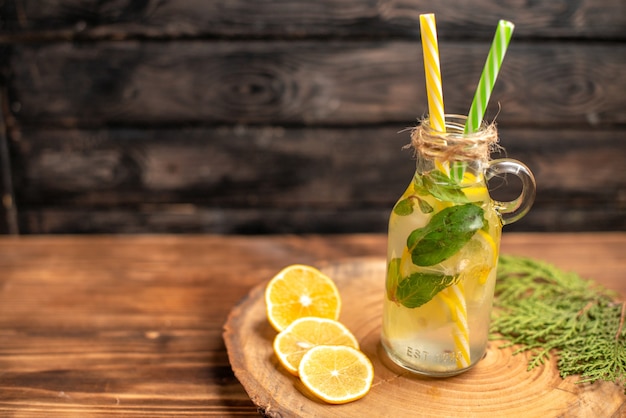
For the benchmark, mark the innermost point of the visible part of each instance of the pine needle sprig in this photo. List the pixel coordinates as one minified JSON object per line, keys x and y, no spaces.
{"x":545,"y":311}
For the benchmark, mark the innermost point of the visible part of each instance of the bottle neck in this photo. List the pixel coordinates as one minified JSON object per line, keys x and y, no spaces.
{"x":454,"y":145}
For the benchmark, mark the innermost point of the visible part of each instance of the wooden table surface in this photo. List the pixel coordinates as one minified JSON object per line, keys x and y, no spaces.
{"x":132,"y":325}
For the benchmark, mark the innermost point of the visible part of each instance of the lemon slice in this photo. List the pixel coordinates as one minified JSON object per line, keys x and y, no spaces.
{"x":305,"y":333}
{"x":336,"y":374}
{"x":475,"y":188}
{"x":298,"y":291}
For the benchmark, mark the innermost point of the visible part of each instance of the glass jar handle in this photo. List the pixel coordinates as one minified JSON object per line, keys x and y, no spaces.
{"x":513,"y":210}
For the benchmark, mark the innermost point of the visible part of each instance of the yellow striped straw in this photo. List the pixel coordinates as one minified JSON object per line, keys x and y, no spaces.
{"x":454,"y":295}
{"x":432,"y":72}
{"x":454,"y":298}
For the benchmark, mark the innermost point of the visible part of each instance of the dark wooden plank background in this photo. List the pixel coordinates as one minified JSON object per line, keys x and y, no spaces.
{"x":249,"y":117}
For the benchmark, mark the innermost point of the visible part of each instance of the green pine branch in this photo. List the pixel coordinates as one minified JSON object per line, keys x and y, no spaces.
{"x":545,"y":311}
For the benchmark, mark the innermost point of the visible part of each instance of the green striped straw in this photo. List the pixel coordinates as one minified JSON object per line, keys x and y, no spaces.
{"x":489,"y":75}
{"x":485,"y":86}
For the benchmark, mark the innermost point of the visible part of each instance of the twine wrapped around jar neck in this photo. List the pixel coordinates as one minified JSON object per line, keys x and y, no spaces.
{"x":454,"y":145}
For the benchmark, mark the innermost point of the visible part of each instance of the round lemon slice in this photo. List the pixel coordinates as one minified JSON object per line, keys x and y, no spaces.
{"x":298,"y":291}
{"x":301,"y":335}
{"x":336,"y":374}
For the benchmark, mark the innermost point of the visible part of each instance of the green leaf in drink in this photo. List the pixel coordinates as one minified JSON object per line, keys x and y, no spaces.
{"x":446,"y":233}
{"x":420,"y":288}
{"x":442,"y":187}
{"x":418,"y":185}
{"x":393,"y":278}
{"x":405,"y":206}
{"x":424,"y":206}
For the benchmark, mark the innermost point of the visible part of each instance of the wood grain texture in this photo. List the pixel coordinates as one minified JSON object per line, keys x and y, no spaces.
{"x":65,"y":19}
{"x":91,"y":327}
{"x":247,"y":116}
{"x":306,"y":82}
{"x":293,"y":179}
{"x":498,"y":384}
{"x":132,"y":325}
{"x":8,"y":211}
{"x":190,"y":219}
{"x":286,"y":167}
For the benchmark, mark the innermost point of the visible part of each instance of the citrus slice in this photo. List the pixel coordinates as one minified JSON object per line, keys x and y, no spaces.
{"x":336,"y":374}
{"x":298,"y":291}
{"x":475,"y":188}
{"x":490,"y":246}
{"x":308,"y":332}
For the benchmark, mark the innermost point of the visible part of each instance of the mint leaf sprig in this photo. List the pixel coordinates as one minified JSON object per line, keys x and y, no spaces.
{"x":445,"y":234}
{"x":546,"y":311}
{"x":434,"y":183}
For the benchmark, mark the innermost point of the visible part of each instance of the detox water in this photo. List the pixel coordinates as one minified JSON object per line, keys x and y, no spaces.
{"x":443,"y":245}
{"x":441,"y":333}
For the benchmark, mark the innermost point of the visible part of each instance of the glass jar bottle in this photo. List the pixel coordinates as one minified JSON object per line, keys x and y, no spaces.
{"x":443,"y":245}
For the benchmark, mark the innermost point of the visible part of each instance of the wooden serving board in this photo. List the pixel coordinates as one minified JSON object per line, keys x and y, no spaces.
{"x":499,"y":385}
